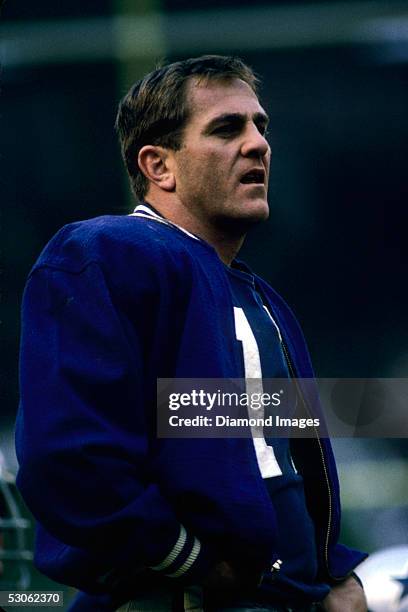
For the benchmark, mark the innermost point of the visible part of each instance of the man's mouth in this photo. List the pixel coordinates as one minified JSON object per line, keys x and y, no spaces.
{"x":255,"y":177}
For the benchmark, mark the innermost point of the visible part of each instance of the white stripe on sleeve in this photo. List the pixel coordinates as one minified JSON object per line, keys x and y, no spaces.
{"x":189,"y":561}
{"x":175,"y":551}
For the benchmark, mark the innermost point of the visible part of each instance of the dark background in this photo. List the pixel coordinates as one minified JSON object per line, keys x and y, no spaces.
{"x":336,"y":88}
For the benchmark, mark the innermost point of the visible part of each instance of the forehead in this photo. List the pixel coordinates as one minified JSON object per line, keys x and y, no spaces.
{"x":213,"y":97}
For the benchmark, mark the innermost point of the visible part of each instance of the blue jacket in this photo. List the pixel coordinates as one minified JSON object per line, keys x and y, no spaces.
{"x":111,"y":305}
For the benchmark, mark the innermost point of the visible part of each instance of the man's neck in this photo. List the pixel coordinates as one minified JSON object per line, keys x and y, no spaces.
{"x":226,"y":243}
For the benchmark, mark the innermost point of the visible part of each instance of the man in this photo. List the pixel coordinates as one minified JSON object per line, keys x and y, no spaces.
{"x":115,"y":303}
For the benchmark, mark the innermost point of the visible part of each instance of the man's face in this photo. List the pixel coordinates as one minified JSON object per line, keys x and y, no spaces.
{"x":222,"y":167}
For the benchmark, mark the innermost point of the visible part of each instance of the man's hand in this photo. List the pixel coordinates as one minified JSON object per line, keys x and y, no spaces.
{"x":346,"y":597}
{"x":224,"y":578}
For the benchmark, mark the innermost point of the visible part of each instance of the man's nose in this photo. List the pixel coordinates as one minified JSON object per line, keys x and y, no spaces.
{"x":254,"y":143}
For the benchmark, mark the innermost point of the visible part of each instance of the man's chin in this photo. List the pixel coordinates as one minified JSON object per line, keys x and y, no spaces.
{"x":254,"y":211}
{"x":242,"y":221}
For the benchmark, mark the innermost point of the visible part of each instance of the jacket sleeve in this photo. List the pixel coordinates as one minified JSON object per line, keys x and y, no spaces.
{"x":83,"y":432}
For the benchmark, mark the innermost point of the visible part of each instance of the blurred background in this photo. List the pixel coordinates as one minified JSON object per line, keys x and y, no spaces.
{"x":335,"y":84}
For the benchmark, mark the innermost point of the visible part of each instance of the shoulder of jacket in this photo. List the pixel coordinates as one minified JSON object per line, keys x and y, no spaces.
{"x":116,"y":241}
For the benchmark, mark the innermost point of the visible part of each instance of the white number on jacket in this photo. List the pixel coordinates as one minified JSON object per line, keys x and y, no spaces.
{"x":265,"y":455}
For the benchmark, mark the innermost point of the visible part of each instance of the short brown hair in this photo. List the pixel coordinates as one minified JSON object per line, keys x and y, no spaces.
{"x":155,"y":110}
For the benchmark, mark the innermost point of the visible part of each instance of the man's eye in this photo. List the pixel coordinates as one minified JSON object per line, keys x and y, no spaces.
{"x":225,"y":130}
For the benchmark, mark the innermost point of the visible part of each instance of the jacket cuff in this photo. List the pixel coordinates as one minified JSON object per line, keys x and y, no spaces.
{"x":188,"y":559}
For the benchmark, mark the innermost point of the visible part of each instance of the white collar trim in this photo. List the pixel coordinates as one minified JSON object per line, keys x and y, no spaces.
{"x":147,"y":213}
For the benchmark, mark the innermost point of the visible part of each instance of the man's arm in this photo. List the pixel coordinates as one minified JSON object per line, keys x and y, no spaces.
{"x":82,"y":436}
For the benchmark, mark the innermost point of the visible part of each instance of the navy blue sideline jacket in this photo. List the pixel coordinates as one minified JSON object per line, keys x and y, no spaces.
{"x":112,"y":304}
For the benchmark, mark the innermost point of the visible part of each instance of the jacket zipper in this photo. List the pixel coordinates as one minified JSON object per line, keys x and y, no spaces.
{"x":326,"y":476}
{"x":329,"y":522}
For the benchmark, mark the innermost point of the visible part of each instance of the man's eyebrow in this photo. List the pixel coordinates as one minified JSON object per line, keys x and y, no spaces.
{"x":258,"y":117}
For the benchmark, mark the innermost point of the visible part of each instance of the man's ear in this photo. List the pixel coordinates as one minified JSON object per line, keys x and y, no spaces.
{"x":154,"y":163}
